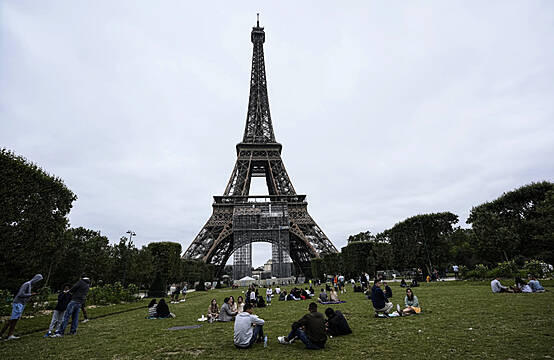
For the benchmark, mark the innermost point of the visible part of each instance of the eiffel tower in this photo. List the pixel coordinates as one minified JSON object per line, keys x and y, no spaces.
{"x":238,"y":218}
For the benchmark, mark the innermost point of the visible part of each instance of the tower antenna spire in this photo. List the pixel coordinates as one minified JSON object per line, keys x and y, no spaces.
{"x":258,"y":19}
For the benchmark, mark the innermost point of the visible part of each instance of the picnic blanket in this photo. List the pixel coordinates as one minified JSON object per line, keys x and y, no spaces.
{"x":186,"y":327}
{"x":331,"y":302}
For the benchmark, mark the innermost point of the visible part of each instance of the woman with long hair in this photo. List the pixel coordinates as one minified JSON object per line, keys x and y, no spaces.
{"x":213,"y":311}
{"x":240,"y":304}
{"x":411,"y":303}
{"x":152,"y":308}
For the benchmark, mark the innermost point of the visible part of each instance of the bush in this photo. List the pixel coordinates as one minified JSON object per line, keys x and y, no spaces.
{"x":157,"y":289}
{"x":537,"y":268}
{"x":112,"y":294}
{"x":480,"y":272}
{"x":6,"y":298}
{"x":505,"y":269}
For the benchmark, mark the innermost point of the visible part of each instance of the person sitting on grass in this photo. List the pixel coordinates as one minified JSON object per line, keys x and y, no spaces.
{"x":213,"y":311}
{"x":18,"y":305}
{"x":334,"y":296}
{"x":225,"y":313}
{"x":379,"y":300}
{"x":253,"y":297}
{"x":232,"y":304}
{"x":57,"y":315}
{"x":152,"y":308}
{"x":535,"y":284}
{"x":411,"y":304}
{"x":414,"y":283}
{"x":336,"y":323}
{"x":240,"y":304}
{"x":162,"y":310}
{"x":403,"y":283}
{"x":521,"y":286}
{"x":283,"y":295}
{"x":310,"y":329}
{"x":248,"y":328}
{"x":322,"y":296}
{"x":497,"y":287}
{"x":291,"y":296}
{"x":388,"y":290}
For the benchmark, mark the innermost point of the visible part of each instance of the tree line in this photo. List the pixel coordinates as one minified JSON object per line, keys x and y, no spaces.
{"x":516,"y":227}
{"x":35,"y":237}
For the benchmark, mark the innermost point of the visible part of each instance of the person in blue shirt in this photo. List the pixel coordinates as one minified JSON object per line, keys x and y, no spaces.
{"x":535,"y":285}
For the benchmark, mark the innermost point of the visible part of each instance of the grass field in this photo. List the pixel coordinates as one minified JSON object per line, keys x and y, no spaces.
{"x":460,"y":320}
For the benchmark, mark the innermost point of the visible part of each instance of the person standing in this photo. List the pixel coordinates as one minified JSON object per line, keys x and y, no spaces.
{"x":18,"y":305}
{"x":63,"y":300}
{"x":310,"y":329}
{"x":268,"y":295}
{"x":248,"y":328}
{"x":79,"y":293}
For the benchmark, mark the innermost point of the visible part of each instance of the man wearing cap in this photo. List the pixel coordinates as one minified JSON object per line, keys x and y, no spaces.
{"x":79,"y":293}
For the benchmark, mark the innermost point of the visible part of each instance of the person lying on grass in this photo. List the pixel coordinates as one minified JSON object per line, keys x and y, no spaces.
{"x":248,"y":328}
{"x":336,"y":323}
{"x":310,"y":330}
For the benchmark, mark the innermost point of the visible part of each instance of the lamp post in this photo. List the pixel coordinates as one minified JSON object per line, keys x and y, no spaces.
{"x":131,"y":234}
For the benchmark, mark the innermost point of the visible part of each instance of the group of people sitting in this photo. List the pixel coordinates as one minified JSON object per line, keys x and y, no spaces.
{"x":520,"y":286}
{"x":382,"y":305}
{"x":159,"y":310}
{"x":325,"y":298}
{"x":312,"y":329}
{"x":297,"y":294}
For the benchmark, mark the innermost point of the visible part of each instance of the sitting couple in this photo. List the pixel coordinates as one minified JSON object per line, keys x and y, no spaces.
{"x":382,"y":305}
{"x":159,"y":310}
{"x":312,"y":328}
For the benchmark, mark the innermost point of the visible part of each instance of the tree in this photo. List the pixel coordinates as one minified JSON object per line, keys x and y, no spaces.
{"x":167,"y":260}
{"x":517,"y":223}
{"x":332,"y":263}
{"x":421,"y":240}
{"x":317,"y":269}
{"x":356,"y":257}
{"x":362,"y":236}
{"x":34,"y":207}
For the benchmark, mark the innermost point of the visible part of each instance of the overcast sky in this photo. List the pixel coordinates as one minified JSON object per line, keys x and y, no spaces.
{"x":384,"y":110}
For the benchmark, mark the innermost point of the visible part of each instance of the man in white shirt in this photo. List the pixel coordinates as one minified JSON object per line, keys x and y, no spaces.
{"x":277,"y":290}
{"x":248,"y":328}
{"x":497,"y":287}
{"x":268,"y":295}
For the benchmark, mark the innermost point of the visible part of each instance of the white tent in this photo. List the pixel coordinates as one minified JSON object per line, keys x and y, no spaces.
{"x":247,"y":278}
{"x":245,"y":281}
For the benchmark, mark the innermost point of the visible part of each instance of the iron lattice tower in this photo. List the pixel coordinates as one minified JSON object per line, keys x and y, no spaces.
{"x":239,"y":219}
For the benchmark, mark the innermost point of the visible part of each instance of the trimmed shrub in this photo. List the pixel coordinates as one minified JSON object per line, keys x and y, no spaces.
{"x":157,"y":289}
{"x":537,"y":268}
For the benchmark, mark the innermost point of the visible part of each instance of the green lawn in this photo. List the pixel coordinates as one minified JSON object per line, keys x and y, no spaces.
{"x":461,"y":320}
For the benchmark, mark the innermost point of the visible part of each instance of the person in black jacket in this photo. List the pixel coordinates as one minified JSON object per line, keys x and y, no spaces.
{"x":310,"y":330}
{"x":57,"y":315}
{"x":162,"y":310}
{"x":336,"y":323}
{"x":388,"y":290}
{"x":79,"y":293}
{"x":379,"y":300}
